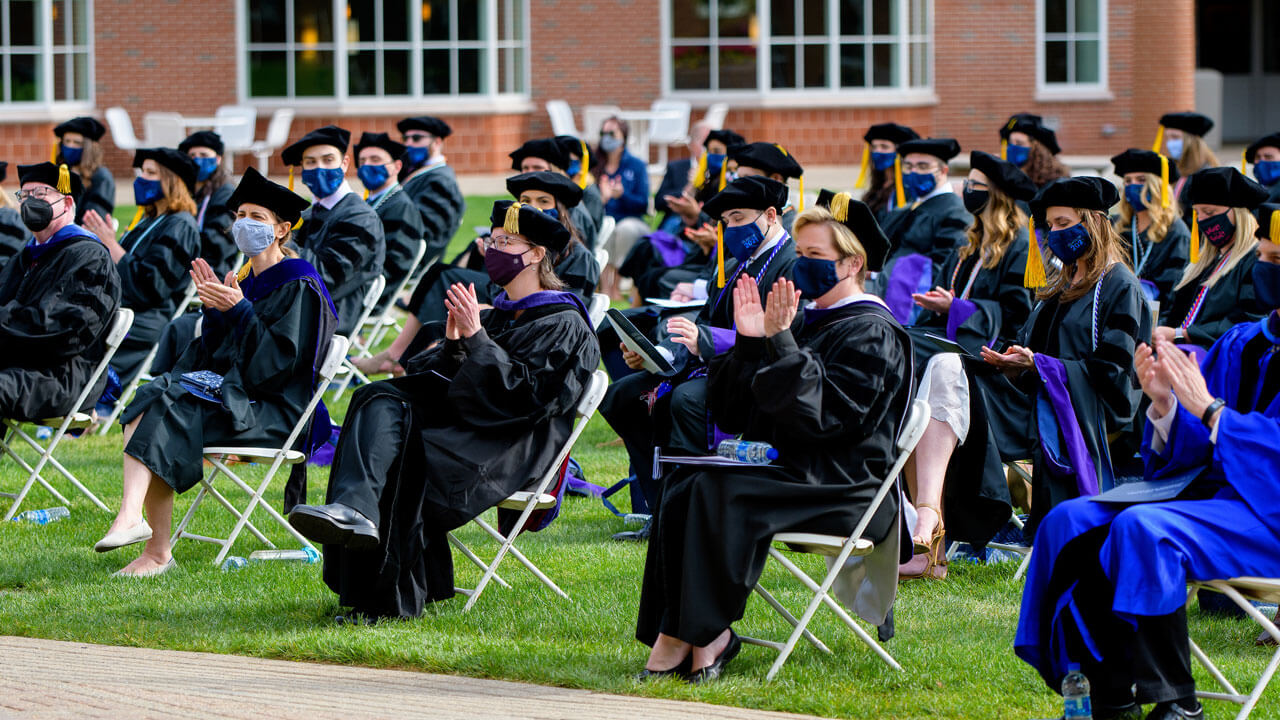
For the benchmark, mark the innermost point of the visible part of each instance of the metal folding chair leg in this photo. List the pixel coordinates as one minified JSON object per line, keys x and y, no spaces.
{"x":507,"y":544}
{"x":46,"y":459}
{"x":475,"y":560}
{"x":786,"y":615}
{"x":1250,"y":701}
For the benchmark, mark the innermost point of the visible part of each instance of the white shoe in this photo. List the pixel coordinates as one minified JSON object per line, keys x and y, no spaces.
{"x":128,"y":536}
{"x":147,"y":573}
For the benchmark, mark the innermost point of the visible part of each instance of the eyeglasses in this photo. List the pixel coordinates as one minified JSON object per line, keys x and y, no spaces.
{"x":38,"y":193}
{"x":972,"y":185}
{"x":503,"y":242}
{"x":924,"y":167}
{"x":417,"y":137}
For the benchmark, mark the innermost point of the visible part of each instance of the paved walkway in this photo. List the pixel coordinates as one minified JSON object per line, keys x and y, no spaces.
{"x":52,"y":679}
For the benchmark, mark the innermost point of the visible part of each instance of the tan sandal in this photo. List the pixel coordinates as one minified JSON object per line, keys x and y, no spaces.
{"x":936,"y":566}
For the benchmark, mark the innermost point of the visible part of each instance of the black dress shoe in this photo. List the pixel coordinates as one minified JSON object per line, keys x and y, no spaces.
{"x":1175,"y":711}
{"x":680,"y":671}
{"x":335,"y":524}
{"x":715,"y":669}
{"x":640,"y":535}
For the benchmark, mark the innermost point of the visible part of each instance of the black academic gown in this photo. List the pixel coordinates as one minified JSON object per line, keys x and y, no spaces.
{"x":217,"y":246}
{"x":13,"y":234}
{"x":402,"y":230}
{"x":1162,"y":262}
{"x":55,"y":313}
{"x":439,"y":200}
{"x":593,"y":203}
{"x":472,"y":422}
{"x":831,"y":400}
{"x":1228,"y":303}
{"x":154,"y":275}
{"x":1103,"y":386}
{"x":587,"y":227}
{"x":267,"y":352}
{"x":99,"y":194}
{"x":935,"y":228}
{"x":346,"y":246}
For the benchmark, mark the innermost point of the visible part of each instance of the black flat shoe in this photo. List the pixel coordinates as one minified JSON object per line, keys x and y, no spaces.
{"x":640,"y":535}
{"x":1174,"y":711}
{"x":334,"y":524}
{"x":715,"y":669}
{"x":680,"y":671}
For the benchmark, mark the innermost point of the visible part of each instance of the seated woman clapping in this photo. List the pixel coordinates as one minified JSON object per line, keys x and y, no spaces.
{"x":264,"y":332}
{"x":830,"y":398}
{"x":476,"y":418}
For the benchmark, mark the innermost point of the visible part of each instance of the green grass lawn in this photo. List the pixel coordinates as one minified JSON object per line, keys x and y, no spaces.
{"x":954,"y":637}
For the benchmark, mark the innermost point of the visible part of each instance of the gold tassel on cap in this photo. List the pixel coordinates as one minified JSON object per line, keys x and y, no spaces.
{"x":724,"y":169}
{"x":586,"y":163}
{"x":1034,"y":275}
{"x":1164,"y":181}
{"x":291,"y":178}
{"x":900,"y":194}
{"x":53,"y":154}
{"x":1275,"y":228}
{"x":1244,"y":159}
{"x":1159,"y":140}
{"x":1195,"y":239}
{"x":64,"y":179}
{"x":137,"y":218}
{"x":700,"y":176}
{"x":862,"y":169}
{"x":511,"y":223}
{"x":800,"y":181}
{"x":297,"y":225}
{"x":1004,"y":149}
{"x":840,"y":206}
{"x":720,"y":253}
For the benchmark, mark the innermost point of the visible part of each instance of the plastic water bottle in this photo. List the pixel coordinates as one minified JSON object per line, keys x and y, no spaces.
{"x":233,"y":562}
{"x":757,"y":453}
{"x":1075,"y":695}
{"x":43,"y":432}
{"x":306,"y":555}
{"x":43,"y":517}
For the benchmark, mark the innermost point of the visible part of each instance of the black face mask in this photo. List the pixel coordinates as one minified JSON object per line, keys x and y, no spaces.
{"x":975,"y":200}
{"x":37,"y":214}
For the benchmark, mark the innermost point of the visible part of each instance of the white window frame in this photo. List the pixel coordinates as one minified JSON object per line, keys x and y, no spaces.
{"x":342,"y":102}
{"x":766,"y":96}
{"x":48,"y":108}
{"x":1056,"y":92}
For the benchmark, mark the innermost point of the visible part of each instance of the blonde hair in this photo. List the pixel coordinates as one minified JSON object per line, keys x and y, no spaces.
{"x":176,"y":197}
{"x":994,"y":229}
{"x":846,"y":243}
{"x":1242,"y":244}
{"x":1104,"y":250}
{"x":1196,"y":155}
{"x":1161,"y":217}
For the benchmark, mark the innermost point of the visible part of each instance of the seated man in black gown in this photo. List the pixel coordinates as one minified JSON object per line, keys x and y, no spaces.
{"x":476,"y":418}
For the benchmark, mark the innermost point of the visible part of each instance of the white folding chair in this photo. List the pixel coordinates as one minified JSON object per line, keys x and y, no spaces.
{"x":1242,"y":591}
{"x":606,"y":231}
{"x":561,"y":116}
{"x":277,"y":136}
{"x":348,"y":370}
{"x":673,"y":130}
{"x":122,"y":129}
{"x":593,"y":116}
{"x":235,"y":126}
{"x":120,"y":325}
{"x":839,"y":549}
{"x":383,"y":321}
{"x":164,"y":129}
{"x":527,"y":501}
{"x":599,"y":306}
{"x":276,"y":457}
{"x":714,"y":117}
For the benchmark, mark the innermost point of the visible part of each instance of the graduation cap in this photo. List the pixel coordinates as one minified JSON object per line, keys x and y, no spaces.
{"x":771,"y":159}
{"x":1146,"y":161}
{"x":59,"y":177}
{"x":549,"y":149}
{"x":574,"y":147}
{"x":4,"y":170}
{"x":728,"y":138}
{"x":1188,"y":122}
{"x":427,"y":124}
{"x":892,"y":132}
{"x":942,"y":148}
{"x":855,"y":215}
{"x":327,"y":135}
{"x":175,"y":162}
{"x":555,"y":184}
{"x":1006,"y":176}
{"x":530,"y":223}
{"x":202,"y":138}
{"x":86,"y":126}
{"x":1225,"y":186}
{"x":1083,"y":193}
{"x":754,"y":192}
{"x":256,"y":189}
{"x":1031,"y":125}
{"x":379,"y":140}
{"x":1251,"y":152}
{"x":1268,"y":216}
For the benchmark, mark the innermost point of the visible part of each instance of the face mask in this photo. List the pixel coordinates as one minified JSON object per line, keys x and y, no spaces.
{"x":975,"y":200}
{"x":883,"y":161}
{"x":575,"y":167}
{"x":1133,"y":195}
{"x":1174,"y":146}
{"x":252,"y":236}
{"x":609,"y":143}
{"x":1218,"y":230}
{"x":552,"y":213}
{"x":714,"y":161}
{"x":416,"y":155}
{"x":742,"y":240}
{"x":1069,"y":244}
{"x":373,"y":176}
{"x":1017,"y":154}
{"x":146,"y":192}
{"x":814,"y":277}
{"x":1267,"y":172}
{"x":70,"y":154}
{"x":1266,"y":284}
{"x":322,"y":182}
{"x":37,"y":214}
{"x":205,"y":167}
{"x":919,"y":185}
{"x":503,"y":267}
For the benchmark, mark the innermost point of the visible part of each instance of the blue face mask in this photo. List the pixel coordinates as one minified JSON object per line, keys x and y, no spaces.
{"x":70,"y":154}
{"x":742,"y":240}
{"x":575,"y":167}
{"x":552,"y":213}
{"x":1267,"y":172}
{"x":1133,"y":195}
{"x":714,"y":161}
{"x":415,"y":156}
{"x":1069,"y":244}
{"x":814,"y":277}
{"x":373,"y":176}
{"x":146,"y":192}
{"x":252,"y":236}
{"x":1017,"y":154}
{"x":1266,"y":284}
{"x":919,"y":185}
{"x":883,"y":161}
{"x":322,"y":182}
{"x":1174,"y":146}
{"x":205,"y":167}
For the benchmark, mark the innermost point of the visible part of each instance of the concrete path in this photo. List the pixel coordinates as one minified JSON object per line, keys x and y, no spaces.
{"x":53,"y":679}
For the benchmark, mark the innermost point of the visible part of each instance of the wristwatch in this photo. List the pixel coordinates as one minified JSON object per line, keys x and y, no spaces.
{"x":1214,"y":407}
{"x":1179,"y":334}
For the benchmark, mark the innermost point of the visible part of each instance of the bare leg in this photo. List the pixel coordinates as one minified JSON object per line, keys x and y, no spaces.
{"x":926,"y":476}
{"x":159,"y":506}
{"x":667,"y":653}
{"x":406,"y":336}
{"x":136,"y":480}
{"x":704,"y":656}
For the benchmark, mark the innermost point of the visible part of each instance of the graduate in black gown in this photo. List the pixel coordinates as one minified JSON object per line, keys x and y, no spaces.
{"x":58,"y":298}
{"x":1033,"y":147}
{"x":430,"y":183}
{"x":1181,"y":139}
{"x":579,"y":171}
{"x":1216,"y":289}
{"x":1149,"y":212}
{"x":79,"y":147}
{"x":550,"y":155}
{"x":266,"y":331}
{"x":1264,"y":156}
{"x":648,"y":410}
{"x":14,"y":235}
{"x":830,"y":395}
{"x":154,"y":252}
{"x":478,"y":416}
{"x":927,"y":231}
{"x":766,"y":159}
{"x":378,"y":165}
{"x":214,"y":186}
{"x":1074,"y":354}
{"x":880,"y":167}
{"x":341,"y":236}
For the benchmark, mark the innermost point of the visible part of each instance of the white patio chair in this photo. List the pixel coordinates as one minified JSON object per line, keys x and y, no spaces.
{"x":1242,"y":591}
{"x":164,"y":129}
{"x":607,"y":227}
{"x":561,"y":116}
{"x":120,"y":325}
{"x":665,"y":132}
{"x":528,"y":501}
{"x":274,"y":458}
{"x":367,"y":306}
{"x":277,"y":135}
{"x":380,"y":322}
{"x":714,"y":117}
{"x":121,"y":127}
{"x":593,"y":116}
{"x":236,"y":124}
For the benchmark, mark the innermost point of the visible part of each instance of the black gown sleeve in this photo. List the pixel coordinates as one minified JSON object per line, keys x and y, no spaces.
{"x":730,"y":374}
{"x":1174,"y":256}
{"x":217,"y":247}
{"x":100,"y":195}
{"x":268,"y":352}
{"x":348,"y":251}
{"x":440,"y":203}
{"x":1234,"y":304}
{"x":13,"y":234}
{"x":402,"y":228}
{"x":71,"y":315}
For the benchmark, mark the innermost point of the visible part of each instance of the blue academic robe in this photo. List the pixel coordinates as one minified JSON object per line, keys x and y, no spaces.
{"x":1224,"y":524}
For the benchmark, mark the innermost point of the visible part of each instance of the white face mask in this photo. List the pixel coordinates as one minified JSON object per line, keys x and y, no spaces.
{"x":252,"y":236}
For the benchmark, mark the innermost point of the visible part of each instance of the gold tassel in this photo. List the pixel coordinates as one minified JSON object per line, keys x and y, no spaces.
{"x":720,"y":252}
{"x":800,"y":180}
{"x":700,"y":177}
{"x":840,"y":206}
{"x":724,"y":169}
{"x":1034,"y":276}
{"x":291,"y":178}
{"x":53,"y":154}
{"x":897,"y":182}
{"x":1004,"y":149}
{"x":511,"y":223}
{"x":137,"y":218}
{"x":1159,"y":140}
{"x":584,"y":173}
{"x":1195,"y":239}
{"x":1244,"y":159}
{"x":244,"y":271}
{"x":366,"y":193}
{"x":64,"y":179}
{"x":862,"y":169}
{"x":296,"y":225}
{"x":1275,"y":228}
{"x":1164,"y":181}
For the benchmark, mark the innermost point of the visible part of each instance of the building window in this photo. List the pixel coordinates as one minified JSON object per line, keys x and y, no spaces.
{"x":45,"y":51}
{"x":363,"y":49}
{"x":788,"y":46}
{"x":1072,"y":43}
